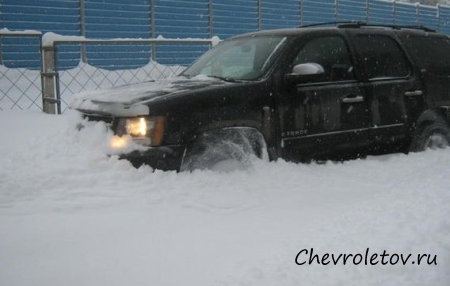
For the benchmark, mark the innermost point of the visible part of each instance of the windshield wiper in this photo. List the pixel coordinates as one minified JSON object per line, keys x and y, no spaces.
{"x":224,"y":78}
{"x":228,"y":79}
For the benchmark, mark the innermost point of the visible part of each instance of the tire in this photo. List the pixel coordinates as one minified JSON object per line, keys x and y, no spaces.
{"x":225,"y":150}
{"x":435,"y":135}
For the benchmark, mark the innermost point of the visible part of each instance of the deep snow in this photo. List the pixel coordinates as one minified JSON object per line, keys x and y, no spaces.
{"x":70,"y":215}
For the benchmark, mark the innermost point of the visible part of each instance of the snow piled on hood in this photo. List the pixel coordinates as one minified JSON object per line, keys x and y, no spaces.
{"x":125,"y":93}
{"x":130,"y":99}
{"x":71,"y":215}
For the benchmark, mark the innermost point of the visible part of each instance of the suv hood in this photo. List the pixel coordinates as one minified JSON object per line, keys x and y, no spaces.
{"x":133,"y":99}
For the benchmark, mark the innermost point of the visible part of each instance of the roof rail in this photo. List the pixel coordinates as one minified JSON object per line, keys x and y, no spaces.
{"x":328,"y":23}
{"x":397,"y":27}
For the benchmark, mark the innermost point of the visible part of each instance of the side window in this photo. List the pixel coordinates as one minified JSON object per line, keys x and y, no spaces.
{"x":382,"y":57}
{"x":332,"y":54}
{"x":432,"y":52}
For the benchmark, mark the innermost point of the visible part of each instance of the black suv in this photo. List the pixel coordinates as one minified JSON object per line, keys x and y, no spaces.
{"x":309,"y":93}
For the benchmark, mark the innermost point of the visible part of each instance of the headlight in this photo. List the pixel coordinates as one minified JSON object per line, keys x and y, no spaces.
{"x":145,"y":130}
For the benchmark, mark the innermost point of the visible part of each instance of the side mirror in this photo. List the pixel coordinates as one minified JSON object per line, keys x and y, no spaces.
{"x":308,"y":69}
{"x":307,"y":72}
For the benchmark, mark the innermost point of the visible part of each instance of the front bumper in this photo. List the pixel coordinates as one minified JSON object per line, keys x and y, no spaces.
{"x":162,"y":158}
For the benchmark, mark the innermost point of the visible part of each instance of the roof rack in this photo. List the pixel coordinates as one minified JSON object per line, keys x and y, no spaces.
{"x":397,"y":27}
{"x":359,"y":24}
{"x":328,"y":23}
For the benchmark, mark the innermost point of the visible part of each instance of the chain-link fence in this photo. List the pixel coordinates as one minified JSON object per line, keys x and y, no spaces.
{"x":20,"y":85}
{"x":119,"y":65}
{"x":97,"y":64}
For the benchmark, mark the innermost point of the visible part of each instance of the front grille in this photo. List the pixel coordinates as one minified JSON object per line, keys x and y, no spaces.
{"x":107,"y":119}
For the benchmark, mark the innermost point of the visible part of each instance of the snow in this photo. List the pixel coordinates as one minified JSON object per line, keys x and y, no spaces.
{"x":71,"y":215}
{"x":49,"y":38}
{"x":6,"y":31}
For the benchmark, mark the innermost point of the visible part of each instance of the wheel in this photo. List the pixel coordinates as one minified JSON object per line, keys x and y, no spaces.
{"x":432,"y":136}
{"x":224,"y":150}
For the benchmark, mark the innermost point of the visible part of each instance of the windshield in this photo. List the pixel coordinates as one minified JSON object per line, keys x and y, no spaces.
{"x":238,"y":59}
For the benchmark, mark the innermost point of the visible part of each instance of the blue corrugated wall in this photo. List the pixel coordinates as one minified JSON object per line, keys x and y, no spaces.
{"x":180,"y":19}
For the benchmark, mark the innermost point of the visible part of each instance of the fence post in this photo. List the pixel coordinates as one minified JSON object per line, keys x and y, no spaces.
{"x":153,"y":28}
{"x":394,"y":13}
{"x":1,"y":50}
{"x":259,"y":15}
{"x":210,"y":18}
{"x":83,"y":29}
{"x":48,"y":75}
{"x":438,"y":16}
{"x":418,"y":13}
{"x":367,"y":11}
{"x":336,"y":10}
{"x":301,"y":12}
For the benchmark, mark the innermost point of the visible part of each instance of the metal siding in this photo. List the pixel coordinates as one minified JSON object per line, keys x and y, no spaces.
{"x":352,"y":10}
{"x":116,"y":19}
{"x":39,"y":15}
{"x":428,"y":17}
{"x":231,"y":17}
{"x":381,"y":12}
{"x":276,"y":14}
{"x":180,"y":19}
{"x":318,"y":11}
{"x":444,"y":19}
{"x":58,"y":16}
{"x":405,"y":14}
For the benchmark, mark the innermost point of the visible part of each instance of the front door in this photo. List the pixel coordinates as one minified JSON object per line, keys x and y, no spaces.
{"x":325,"y":116}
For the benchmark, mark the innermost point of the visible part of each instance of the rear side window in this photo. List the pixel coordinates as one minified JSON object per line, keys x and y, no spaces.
{"x":432,"y":52}
{"x":382,"y":57}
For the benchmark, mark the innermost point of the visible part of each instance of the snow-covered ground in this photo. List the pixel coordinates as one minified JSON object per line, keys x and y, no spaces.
{"x":70,"y":215}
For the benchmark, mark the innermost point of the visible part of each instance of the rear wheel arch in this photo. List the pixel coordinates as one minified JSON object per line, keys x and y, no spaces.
{"x":432,"y":124}
{"x":432,"y":115}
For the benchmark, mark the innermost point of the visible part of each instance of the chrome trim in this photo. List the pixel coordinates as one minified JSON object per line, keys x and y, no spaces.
{"x":355,"y":99}
{"x":414,"y":93}
{"x":345,"y":131}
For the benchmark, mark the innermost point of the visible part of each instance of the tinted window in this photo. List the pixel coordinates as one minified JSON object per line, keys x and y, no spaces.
{"x":381,"y":57}
{"x":432,"y":52}
{"x":332,"y":54}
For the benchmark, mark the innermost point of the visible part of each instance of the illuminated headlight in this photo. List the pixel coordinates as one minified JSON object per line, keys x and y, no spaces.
{"x":145,"y":130}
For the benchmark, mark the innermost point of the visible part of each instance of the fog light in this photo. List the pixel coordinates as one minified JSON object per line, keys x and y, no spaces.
{"x":118,"y":142}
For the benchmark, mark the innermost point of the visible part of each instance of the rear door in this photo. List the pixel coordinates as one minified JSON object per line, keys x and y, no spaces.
{"x":389,"y":81}
{"x":432,"y":54}
{"x":325,"y":116}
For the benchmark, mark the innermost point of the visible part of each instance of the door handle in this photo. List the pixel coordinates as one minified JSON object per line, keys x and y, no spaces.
{"x":352,"y":99}
{"x":414,"y":93}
